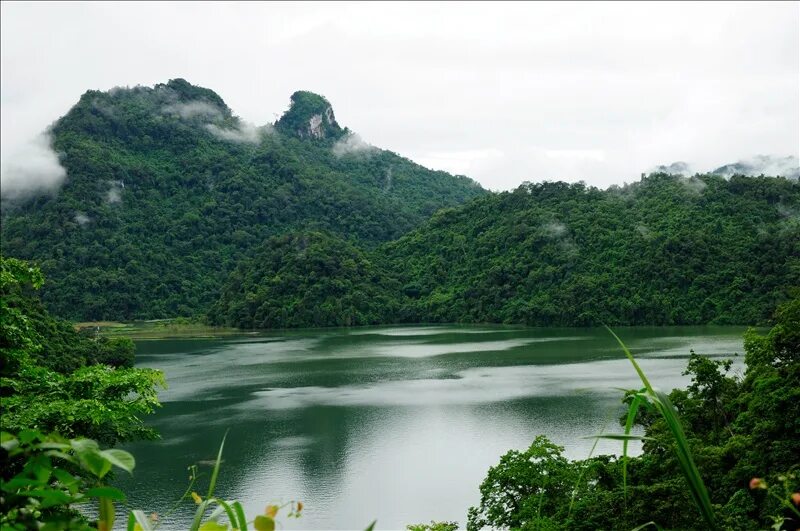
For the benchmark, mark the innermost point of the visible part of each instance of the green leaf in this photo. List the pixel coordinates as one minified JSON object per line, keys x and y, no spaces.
{"x":66,"y":479}
{"x":664,"y":407}
{"x":264,"y":523}
{"x":371,"y":526}
{"x":650,"y":523}
{"x":215,"y":473}
{"x":212,"y":525}
{"x":28,"y":436}
{"x":138,"y":517}
{"x":120,"y":458}
{"x":636,"y":401}
{"x":242,"y":523}
{"x":61,"y":455}
{"x":54,"y":446}
{"x":228,"y":510}
{"x":95,"y":463}
{"x":82,"y":446}
{"x":619,"y":437}
{"x":105,"y":521}
{"x":198,"y":515}
{"x":8,"y":441}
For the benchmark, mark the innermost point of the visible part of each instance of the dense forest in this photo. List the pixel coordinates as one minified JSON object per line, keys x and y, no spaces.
{"x":166,"y":190}
{"x":665,"y":250}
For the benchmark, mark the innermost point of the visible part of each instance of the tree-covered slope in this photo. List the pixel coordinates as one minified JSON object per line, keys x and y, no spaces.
{"x":166,"y":190}
{"x":666,"y":250}
{"x":306,"y":279}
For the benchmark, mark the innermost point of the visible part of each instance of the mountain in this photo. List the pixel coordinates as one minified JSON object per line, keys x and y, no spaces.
{"x":166,"y":190}
{"x":667,"y":250}
{"x":788,"y":167}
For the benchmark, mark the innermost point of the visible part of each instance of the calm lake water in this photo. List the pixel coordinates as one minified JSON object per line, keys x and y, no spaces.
{"x":398,"y":424}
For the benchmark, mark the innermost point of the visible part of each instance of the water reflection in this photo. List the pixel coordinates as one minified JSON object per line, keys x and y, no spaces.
{"x":399,"y":424}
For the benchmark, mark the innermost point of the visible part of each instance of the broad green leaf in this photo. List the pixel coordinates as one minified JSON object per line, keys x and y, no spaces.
{"x":54,"y":446}
{"x":264,"y":523}
{"x":95,"y":463}
{"x":28,"y":436}
{"x":84,"y":445}
{"x":8,"y":441}
{"x":120,"y":458}
{"x":61,"y":455}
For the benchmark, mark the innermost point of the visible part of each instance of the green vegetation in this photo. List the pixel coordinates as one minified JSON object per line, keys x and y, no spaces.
{"x":167,"y":191}
{"x":725,"y":446}
{"x":156,"y":329}
{"x":45,"y":477}
{"x":664,"y":251}
{"x":306,"y":108}
{"x":54,"y":379}
{"x":49,"y":477}
{"x":174,"y":206}
{"x":305,"y":279}
{"x":713,"y":447}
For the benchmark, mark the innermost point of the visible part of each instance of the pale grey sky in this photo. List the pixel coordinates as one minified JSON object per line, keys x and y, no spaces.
{"x":503,"y":93}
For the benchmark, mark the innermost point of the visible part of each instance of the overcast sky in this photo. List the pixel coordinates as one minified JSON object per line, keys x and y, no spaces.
{"x":503,"y":93}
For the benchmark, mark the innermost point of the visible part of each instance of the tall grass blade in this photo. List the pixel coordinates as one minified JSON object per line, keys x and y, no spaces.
{"x":215,"y":473}
{"x":648,"y":524}
{"x":580,"y":476}
{"x":627,"y":352}
{"x":696,"y":486}
{"x":198,"y":515}
{"x":242,"y":525}
{"x":632,"y":411}
{"x":664,"y":407}
{"x":138,"y":517}
{"x":228,"y":511}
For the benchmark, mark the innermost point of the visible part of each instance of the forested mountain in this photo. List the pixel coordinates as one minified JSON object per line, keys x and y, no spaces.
{"x":166,"y":189}
{"x":307,"y":279}
{"x":665,"y":250}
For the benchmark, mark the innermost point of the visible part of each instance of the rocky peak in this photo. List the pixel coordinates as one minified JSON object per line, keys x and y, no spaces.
{"x":309,"y":116}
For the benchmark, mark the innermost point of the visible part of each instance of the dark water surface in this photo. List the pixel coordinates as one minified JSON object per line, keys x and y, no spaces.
{"x":394,"y":423}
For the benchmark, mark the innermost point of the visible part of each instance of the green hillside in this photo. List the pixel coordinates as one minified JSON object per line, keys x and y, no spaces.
{"x":666,"y":250}
{"x":166,"y":189}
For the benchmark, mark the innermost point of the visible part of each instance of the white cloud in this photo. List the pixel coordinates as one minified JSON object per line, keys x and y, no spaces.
{"x":555,"y":229}
{"x":193,"y":109}
{"x":693,"y":185}
{"x":704,"y":82}
{"x":245,"y":133}
{"x":33,"y":168}
{"x":114,"y":193}
{"x":81,"y":218}
{"x":352,"y":144}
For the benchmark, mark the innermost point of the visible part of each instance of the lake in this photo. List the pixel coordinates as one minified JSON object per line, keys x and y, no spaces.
{"x":398,"y":424}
